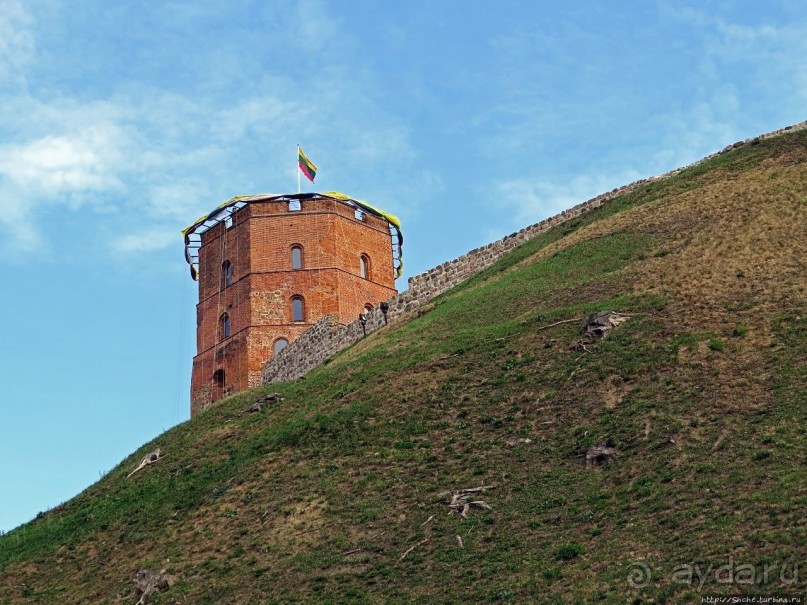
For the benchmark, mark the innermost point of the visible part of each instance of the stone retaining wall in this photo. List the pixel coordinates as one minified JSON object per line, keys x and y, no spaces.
{"x":327,"y":337}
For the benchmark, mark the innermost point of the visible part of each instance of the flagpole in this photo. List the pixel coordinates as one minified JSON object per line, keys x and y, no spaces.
{"x":298,"y":169}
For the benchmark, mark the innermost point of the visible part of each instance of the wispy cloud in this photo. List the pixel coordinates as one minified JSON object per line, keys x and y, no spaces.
{"x":528,"y":201}
{"x":17,"y":43}
{"x":768,"y":54}
{"x":147,"y":240}
{"x":19,"y":234}
{"x":627,"y":105}
{"x":699,"y":18}
{"x":149,"y":157}
{"x":688,"y":134}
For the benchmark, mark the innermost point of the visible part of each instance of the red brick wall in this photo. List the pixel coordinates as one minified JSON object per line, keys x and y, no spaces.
{"x":258,"y":301}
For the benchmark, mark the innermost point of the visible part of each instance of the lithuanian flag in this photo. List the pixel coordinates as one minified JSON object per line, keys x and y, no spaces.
{"x":306,"y":165}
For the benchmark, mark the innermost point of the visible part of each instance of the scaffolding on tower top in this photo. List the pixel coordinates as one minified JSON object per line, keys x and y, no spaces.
{"x":193,"y":233}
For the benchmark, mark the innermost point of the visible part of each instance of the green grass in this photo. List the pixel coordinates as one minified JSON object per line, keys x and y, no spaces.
{"x":316,"y":498}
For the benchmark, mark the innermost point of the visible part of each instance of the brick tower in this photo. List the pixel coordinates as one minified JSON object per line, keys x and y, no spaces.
{"x":269,"y":266}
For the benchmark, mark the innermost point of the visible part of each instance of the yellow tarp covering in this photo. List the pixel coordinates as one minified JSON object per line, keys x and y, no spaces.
{"x":391,"y":218}
{"x":221,"y":209}
{"x":230,"y":202}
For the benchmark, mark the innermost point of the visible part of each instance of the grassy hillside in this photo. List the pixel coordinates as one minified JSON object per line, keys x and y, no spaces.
{"x":703,"y":393}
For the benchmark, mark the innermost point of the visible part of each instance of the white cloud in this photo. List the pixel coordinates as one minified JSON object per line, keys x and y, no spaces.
{"x":150,"y":157}
{"x":73,"y":169}
{"x":57,"y":165}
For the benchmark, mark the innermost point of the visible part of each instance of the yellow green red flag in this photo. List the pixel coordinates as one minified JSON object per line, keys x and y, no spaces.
{"x":307,"y":166}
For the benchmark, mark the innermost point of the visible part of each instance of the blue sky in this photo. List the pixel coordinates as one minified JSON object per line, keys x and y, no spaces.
{"x":121,"y":125}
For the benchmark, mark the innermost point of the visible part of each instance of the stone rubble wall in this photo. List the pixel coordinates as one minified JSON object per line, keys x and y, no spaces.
{"x":327,"y":337}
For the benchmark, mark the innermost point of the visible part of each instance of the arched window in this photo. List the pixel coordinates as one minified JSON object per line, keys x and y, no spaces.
{"x":296,"y":257}
{"x":280,"y":344}
{"x":364,"y":266}
{"x":219,"y":378}
{"x":297,"y":309}
{"x":227,"y":273}
{"x":225,"y":325}
{"x":368,"y":307}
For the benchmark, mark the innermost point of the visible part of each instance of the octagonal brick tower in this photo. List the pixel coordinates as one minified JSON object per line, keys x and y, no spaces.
{"x":269,"y":266}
